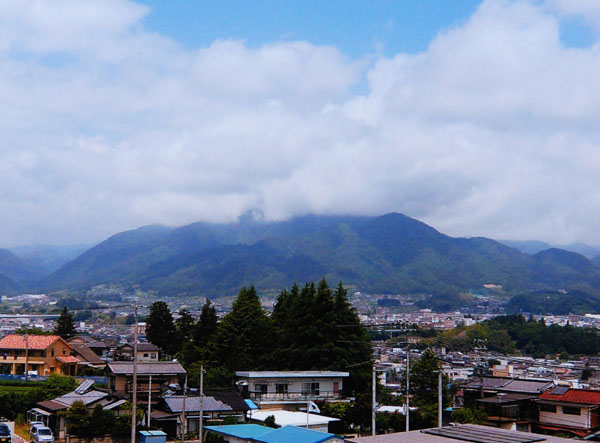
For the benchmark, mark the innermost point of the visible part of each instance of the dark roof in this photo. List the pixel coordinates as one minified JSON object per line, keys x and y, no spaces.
{"x":87,"y":354}
{"x":505,"y":398}
{"x":52,"y":406}
{"x":508,"y":385}
{"x":230,"y":397}
{"x":98,"y":345}
{"x":487,"y":382}
{"x":527,"y":386}
{"x":146,"y":368}
{"x":147,"y":347}
{"x":85,"y":338}
{"x":174,"y":403}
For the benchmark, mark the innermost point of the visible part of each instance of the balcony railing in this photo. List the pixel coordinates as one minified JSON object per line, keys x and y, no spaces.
{"x":294,"y":396}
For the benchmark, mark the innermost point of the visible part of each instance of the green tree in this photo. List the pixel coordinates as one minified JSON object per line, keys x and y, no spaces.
{"x":243,"y":337}
{"x":160,"y":328}
{"x":206,"y":327}
{"x":469,"y":415}
{"x":65,"y":325}
{"x":101,"y":422}
{"x":184,"y":325}
{"x":57,"y":385}
{"x":77,"y":418}
{"x":424,"y":386}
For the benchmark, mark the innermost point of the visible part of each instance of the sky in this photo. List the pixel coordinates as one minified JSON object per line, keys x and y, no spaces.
{"x":479,"y":118}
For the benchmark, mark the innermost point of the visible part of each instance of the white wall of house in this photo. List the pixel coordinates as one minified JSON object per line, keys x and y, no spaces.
{"x":313,"y":387}
{"x":559,"y":417}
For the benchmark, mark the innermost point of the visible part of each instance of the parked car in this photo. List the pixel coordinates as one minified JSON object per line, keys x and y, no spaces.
{"x":41,"y":434}
{"x":5,"y":436}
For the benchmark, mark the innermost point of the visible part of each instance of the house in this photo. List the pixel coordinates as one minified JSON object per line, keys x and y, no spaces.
{"x":455,"y":434}
{"x":97,"y":346}
{"x":168,"y":414}
{"x":261,"y":434}
{"x":50,"y":412}
{"x":45,"y":354}
{"x":290,"y":389}
{"x":87,"y":357}
{"x":574,"y":411}
{"x":145,"y":352}
{"x":153,"y":377}
{"x":509,"y":403}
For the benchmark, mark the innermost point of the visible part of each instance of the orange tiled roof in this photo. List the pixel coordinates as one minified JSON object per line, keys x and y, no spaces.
{"x":67,"y":359}
{"x":17,"y":341}
{"x":583,"y":396}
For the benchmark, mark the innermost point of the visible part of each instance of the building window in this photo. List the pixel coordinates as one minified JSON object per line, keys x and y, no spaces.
{"x":260,"y":389}
{"x":153,"y":355}
{"x":281,"y":388}
{"x":146,"y":355}
{"x":547,"y":408}
{"x":311,"y":389}
{"x":570,"y":410}
{"x":64,"y":351}
{"x":52,"y":353}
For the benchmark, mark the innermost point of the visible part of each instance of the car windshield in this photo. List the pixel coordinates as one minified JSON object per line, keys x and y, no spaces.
{"x":45,"y":431}
{"x":4,"y":430}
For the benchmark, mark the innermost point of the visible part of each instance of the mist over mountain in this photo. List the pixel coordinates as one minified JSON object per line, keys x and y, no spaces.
{"x":392,"y":253}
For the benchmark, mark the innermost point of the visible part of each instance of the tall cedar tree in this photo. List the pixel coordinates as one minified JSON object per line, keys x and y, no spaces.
{"x":195,"y":350}
{"x":65,"y":325}
{"x":320,"y":330}
{"x":206,"y":327}
{"x":185,"y":326}
{"x":160,"y":328}
{"x":244,"y":337}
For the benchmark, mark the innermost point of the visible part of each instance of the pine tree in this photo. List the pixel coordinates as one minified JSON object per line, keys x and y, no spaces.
{"x":160,"y":328}
{"x":65,"y":325}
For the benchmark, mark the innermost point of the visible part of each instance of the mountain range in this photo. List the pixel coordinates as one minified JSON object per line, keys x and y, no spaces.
{"x":392,"y":253}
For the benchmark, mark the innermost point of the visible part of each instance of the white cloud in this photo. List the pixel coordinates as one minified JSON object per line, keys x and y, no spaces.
{"x":105,"y":127}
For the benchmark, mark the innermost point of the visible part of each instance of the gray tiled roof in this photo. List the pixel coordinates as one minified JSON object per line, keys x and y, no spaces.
{"x":146,"y":368}
{"x":527,"y":386}
{"x":192,"y":404}
{"x":87,"y":398}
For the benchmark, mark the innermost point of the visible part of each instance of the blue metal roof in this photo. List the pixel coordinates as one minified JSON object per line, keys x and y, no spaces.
{"x":251,"y":404}
{"x":294,"y":434}
{"x":240,"y":431}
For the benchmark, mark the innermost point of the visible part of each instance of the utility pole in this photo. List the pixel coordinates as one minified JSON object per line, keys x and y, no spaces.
{"x":134,"y":395}
{"x":183,"y":421}
{"x":149,"y":399}
{"x":374,"y":408}
{"x":407,"y":411}
{"x":26,"y":353}
{"x":201,"y":401}
{"x":440,"y":397}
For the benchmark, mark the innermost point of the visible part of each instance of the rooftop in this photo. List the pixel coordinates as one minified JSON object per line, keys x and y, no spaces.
{"x":18,"y":341}
{"x":146,"y":368}
{"x":454,"y":434}
{"x":291,"y":374}
{"x":580,"y":396}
